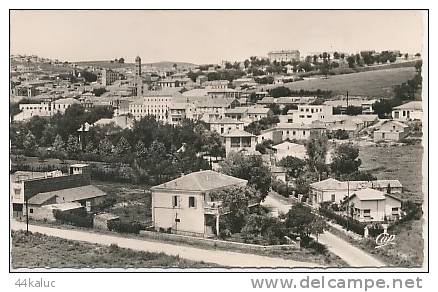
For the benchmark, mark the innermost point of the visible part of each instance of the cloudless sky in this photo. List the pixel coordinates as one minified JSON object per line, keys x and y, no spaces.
{"x":208,"y":36}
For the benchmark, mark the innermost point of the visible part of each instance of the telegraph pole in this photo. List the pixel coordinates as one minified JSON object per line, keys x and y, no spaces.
{"x":27,"y":217}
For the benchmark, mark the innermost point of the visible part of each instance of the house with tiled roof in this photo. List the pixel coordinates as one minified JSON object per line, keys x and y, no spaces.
{"x":238,"y":140}
{"x":335,"y":191}
{"x":184,"y":206}
{"x":370,"y":205}
{"x":408,"y":111}
{"x":391,"y":130}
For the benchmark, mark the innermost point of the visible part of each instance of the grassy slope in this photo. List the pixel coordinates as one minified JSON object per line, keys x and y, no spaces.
{"x":377,"y":83}
{"x":41,"y":251}
{"x":396,"y":162}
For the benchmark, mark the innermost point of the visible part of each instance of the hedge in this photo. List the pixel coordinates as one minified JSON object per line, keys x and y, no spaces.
{"x":345,"y":222}
{"x":124,"y":227}
{"x":81,"y":220}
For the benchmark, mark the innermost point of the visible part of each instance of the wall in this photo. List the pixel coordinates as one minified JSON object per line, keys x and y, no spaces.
{"x":33,"y":187}
{"x":215,"y":243}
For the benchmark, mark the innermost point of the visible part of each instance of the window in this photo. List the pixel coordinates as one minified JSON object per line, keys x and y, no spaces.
{"x":192,"y":202}
{"x":246,"y":142}
{"x":367,"y":213}
{"x":235,"y":142}
{"x":333,"y":198}
{"x":175,"y":202}
{"x":31,"y":210}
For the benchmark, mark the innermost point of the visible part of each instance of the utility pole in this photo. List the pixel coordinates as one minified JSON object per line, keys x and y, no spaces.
{"x":27,"y":217}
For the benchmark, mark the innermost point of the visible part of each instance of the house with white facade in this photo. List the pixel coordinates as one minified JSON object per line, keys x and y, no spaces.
{"x":238,"y":140}
{"x":184,"y":205}
{"x":369,"y":205}
{"x":334,"y":191}
{"x":410,"y":111}
{"x":290,"y":149}
{"x":225,"y":125}
{"x":390,"y":130}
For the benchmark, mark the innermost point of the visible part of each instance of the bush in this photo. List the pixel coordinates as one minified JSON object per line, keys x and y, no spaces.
{"x":124,"y":227}
{"x":77,"y":219}
{"x":280,"y":187}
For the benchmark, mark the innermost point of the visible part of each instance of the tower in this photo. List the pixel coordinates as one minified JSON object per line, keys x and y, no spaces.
{"x":137,"y":79}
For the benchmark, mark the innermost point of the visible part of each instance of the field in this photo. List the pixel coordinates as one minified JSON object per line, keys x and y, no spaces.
{"x":133,"y":202}
{"x":405,"y":164}
{"x":41,"y":251}
{"x":396,"y":162}
{"x":378,"y":83}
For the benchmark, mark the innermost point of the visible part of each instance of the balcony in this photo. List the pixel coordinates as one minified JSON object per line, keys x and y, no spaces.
{"x":212,"y":208}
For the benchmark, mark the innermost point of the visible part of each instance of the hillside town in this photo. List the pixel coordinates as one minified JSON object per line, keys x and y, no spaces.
{"x":227,"y":156}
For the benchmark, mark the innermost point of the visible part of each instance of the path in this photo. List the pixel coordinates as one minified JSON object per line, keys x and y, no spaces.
{"x":353,"y":256}
{"x":220,"y":257}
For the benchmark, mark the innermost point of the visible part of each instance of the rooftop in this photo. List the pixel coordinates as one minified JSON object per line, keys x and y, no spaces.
{"x":205,"y":180}
{"x":68,"y":195}
{"x":237,"y":133}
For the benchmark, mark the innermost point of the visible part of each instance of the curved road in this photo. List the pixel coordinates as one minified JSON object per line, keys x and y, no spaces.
{"x":220,"y":257}
{"x":353,"y":256}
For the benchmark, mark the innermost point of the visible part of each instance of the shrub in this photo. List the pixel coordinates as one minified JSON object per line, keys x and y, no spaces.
{"x":280,"y":187}
{"x":124,"y":227}
{"x":77,"y":219}
{"x":345,"y":222}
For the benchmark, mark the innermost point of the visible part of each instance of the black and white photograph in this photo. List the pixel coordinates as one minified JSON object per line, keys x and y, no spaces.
{"x":218,"y":140}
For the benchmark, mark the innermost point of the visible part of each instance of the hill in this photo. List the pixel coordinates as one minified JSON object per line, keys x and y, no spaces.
{"x":114,"y":65}
{"x":378,"y":83}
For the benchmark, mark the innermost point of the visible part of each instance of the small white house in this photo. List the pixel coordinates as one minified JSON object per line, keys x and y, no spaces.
{"x":184,"y":206}
{"x":371,"y":205}
{"x":391,"y":130}
{"x":290,"y":149}
{"x":239,"y":140}
{"x":409,"y":111}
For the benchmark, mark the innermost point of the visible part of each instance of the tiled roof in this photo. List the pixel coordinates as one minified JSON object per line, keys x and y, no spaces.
{"x":237,"y":133}
{"x":333,"y":184}
{"x":226,"y":121}
{"x":415,"y":105}
{"x":68,"y":195}
{"x":369,"y":194}
{"x":206,"y":180}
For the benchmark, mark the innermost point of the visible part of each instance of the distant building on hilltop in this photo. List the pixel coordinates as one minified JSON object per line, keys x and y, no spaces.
{"x":284,"y":56}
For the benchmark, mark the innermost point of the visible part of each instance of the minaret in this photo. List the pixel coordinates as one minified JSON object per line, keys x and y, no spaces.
{"x":137,"y":79}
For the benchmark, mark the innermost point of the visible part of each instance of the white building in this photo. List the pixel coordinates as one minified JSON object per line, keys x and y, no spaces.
{"x":284,"y":56}
{"x":409,"y":111}
{"x":334,"y":191}
{"x":390,"y":130}
{"x":238,"y":140}
{"x":371,"y":205}
{"x":184,"y":205}
{"x":154,"y":103}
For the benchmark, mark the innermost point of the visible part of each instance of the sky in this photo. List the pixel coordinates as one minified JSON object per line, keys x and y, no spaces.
{"x":208,"y":36}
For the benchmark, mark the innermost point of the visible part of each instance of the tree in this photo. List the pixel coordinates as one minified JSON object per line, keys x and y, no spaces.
{"x":122,"y":149}
{"x":353,"y":110}
{"x":294,"y":166}
{"x":279,"y":91}
{"x":319,"y":225}
{"x":299,"y":220}
{"x":58,"y":144}
{"x":105,"y":148}
{"x":382,"y":108}
{"x":351,"y":60}
{"x":73,"y":148}
{"x":140,"y":150}
{"x":263,"y":229}
{"x":121,"y":60}
{"x":317,"y":152}
{"x":345,"y":160}
{"x":251,"y":168}
{"x":236,"y":200}
{"x":29,"y":144}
